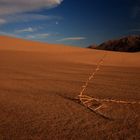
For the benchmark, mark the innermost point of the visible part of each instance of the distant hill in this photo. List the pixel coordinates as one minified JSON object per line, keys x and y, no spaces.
{"x":125,"y":44}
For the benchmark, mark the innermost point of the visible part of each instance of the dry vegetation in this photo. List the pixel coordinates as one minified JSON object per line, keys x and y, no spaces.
{"x":95,"y":104}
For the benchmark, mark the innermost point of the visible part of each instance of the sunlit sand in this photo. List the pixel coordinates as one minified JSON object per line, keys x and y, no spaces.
{"x":50,"y":91}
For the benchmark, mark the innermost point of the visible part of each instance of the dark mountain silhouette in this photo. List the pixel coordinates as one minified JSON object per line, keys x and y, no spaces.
{"x":125,"y":44}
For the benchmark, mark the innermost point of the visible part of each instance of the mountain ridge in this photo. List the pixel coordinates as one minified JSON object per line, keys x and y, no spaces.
{"x":125,"y":44}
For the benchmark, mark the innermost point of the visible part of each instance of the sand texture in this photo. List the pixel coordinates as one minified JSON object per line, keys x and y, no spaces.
{"x":40,"y":84}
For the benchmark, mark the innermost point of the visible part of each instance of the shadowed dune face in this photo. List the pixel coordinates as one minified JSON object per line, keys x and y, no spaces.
{"x":38,"y":81}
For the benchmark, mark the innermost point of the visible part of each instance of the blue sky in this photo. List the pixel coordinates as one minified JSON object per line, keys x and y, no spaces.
{"x":72,"y":22}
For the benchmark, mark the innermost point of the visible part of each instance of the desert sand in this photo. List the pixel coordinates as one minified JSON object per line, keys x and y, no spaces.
{"x":40,"y":84}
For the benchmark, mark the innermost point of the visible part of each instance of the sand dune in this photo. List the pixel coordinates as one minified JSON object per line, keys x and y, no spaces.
{"x":39,"y":83}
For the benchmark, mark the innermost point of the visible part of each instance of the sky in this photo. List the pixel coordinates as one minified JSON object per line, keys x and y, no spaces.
{"x":71,"y":22}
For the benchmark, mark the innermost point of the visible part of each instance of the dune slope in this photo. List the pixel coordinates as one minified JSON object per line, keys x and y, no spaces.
{"x":39,"y":82}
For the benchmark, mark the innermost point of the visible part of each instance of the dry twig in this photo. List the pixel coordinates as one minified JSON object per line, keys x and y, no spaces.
{"x":94,"y":104}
